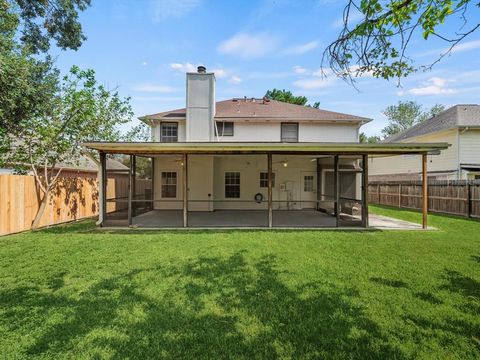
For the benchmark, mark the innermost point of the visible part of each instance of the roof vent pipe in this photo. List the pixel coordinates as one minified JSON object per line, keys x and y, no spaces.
{"x":201,"y":69}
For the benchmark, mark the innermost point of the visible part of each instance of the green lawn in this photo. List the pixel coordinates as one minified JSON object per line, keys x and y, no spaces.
{"x":76,"y":292}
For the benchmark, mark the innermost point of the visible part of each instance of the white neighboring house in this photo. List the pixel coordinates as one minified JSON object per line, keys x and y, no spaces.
{"x":458,"y":126}
{"x":248,"y":162}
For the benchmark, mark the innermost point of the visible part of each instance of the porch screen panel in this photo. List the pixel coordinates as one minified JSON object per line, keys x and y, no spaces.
{"x":351,"y":201}
{"x":232,"y":185}
{"x":169,"y":184}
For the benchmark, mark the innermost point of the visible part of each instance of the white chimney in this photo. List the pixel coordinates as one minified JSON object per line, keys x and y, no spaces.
{"x":200,"y":106}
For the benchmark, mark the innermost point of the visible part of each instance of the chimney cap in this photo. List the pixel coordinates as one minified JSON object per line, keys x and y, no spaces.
{"x":201,"y":69}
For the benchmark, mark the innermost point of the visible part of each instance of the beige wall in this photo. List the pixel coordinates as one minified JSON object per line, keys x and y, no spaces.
{"x":470,"y":146}
{"x":270,"y":131}
{"x":447,"y":161}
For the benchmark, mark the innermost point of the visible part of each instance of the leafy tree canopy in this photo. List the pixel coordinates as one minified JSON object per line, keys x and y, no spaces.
{"x":379,"y":42}
{"x":364,"y":138}
{"x":288,"y":97}
{"x":405,"y":114}
{"x":40,"y":21}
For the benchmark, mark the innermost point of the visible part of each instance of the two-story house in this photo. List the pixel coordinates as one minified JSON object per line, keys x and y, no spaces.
{"x":459,"y":126}
{"x":250,"y":162}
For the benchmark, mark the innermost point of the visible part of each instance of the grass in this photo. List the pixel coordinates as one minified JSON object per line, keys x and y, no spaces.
{"x":76,"y":292}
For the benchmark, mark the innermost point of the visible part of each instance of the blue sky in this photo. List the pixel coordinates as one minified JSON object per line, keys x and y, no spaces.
{"x":144,"y":47}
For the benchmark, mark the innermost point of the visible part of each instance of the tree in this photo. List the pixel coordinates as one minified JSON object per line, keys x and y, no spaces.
{"x":140,"y":132}
{"x":405,"y":114}
{"x":81,"y":111}
{"x":27,"y":82}
{"x":285,"y":96}
{"x":41,"y":21}
{"x":288,"y":97}
{"x":373,"y":139}
{"x":379,"y":43}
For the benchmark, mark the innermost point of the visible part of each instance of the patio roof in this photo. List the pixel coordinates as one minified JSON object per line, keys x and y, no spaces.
{"x":152,"y":148}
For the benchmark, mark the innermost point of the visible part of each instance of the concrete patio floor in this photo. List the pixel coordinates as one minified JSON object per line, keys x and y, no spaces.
{"x":253,"y":219}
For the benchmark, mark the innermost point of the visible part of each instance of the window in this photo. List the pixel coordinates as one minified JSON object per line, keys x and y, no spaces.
{"x":169,"y":184}
{"x":232,"y":185}
{"x":289,"y":132}
{"x":168,"y":132}
{"x":224,"y":128}
{"x":308,"y":183}
{"x":264,"y":179}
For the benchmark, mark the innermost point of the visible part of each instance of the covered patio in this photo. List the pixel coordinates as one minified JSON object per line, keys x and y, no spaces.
{"x":339,"y":197}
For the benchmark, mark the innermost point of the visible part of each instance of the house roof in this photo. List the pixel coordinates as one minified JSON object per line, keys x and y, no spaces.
{"x":458,"y":116}
{"x":152,"y":148}
{"x":263,"y":109}
{"x":85,"y":163}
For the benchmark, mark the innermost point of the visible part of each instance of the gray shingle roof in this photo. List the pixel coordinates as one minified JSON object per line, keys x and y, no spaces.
{"x":458,"y":116}
{"x":258,"y":109}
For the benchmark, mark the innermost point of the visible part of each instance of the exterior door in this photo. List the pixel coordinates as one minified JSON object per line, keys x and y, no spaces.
{"x":309,"y":190}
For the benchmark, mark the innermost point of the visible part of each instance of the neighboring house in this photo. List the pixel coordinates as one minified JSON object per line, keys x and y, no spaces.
{"x":458,"y":126}
{"x":84,"y":167}
{"x":250,"y":162}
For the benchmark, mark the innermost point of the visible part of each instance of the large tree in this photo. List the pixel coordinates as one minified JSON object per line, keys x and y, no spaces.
{"x":405,"y":114}
{"x":379,"y":43}
{"x":41,"y":21}
{"x":28,"y":78}
{"x":80,"y":111}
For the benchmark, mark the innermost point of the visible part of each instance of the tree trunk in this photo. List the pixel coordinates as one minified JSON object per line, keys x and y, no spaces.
{"x":40,"y":211}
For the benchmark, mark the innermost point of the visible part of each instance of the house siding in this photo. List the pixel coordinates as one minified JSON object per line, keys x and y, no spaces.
{"x":410,"y":166}
{"x":470,"y":146}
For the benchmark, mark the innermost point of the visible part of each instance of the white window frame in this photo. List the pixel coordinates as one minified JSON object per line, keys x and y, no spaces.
{"x":162,"y":184}
{"x":225,"y":184}
{"x":168,"y":137}
{"x":221,"y":125}
{"x":312,"y":184}
{"x":274,"y":178}
{"x":281,"y":131}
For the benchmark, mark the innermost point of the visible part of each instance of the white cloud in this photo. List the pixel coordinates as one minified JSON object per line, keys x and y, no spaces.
{"x":153,"y":88}
{"x":164,"y":9}
{"x":466,"y":46}
{"x":144,"y":63}
{"x":319,"y":79}
{"x":353,"y":18}
{"x":299,"y":69}
{"x":317,"y":82}
{"x":220,"y":73}
{"x":433,"y":86}
{"x":300,"y":49}
{"x":183,"y":67}
{"x":235,"y":80}
{"x":249,"y":46}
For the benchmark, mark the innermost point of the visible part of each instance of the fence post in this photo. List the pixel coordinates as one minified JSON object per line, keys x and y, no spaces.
{"x":378,"y":194}
{"x":469,"y":199}
{"x":424,"y":191}
{"x":399,"y":195}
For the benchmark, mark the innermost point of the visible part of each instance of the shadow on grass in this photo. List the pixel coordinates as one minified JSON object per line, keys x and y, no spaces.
{"x":214,"y":307}
{"x":389,"y":282}
{"x":466,"y":327}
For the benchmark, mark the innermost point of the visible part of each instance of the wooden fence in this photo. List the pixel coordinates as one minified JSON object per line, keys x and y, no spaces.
{"x":458,"y":197}
{"x":73,"y":198}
